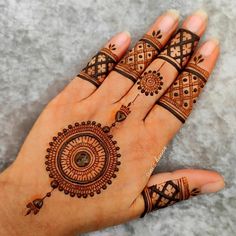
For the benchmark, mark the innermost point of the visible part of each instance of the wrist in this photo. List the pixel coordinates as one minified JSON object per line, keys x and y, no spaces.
{"x":17,"y":187}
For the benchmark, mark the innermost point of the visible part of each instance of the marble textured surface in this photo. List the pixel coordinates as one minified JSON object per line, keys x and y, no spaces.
{"x":43,"y":44}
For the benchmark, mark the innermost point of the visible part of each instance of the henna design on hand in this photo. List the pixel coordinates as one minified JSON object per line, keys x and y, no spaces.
{"x":100,"y":66}
{"x":180,"y":48}
{"x":183,"y":93}
{"x":166,"y":194}
{"x":150,"y":82}
{"x":137,"y":59}
{"x":81,"y":160}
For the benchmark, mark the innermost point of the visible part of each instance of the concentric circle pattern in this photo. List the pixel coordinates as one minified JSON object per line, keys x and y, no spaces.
{"x":82,"y":159}
{"x":150,"y":82}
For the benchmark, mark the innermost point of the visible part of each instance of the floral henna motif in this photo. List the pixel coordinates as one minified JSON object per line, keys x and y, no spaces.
{"x":166,"y":194}
{"x":183,"y":93}
{"x":180,"y":48}
{"x":100,"y":66}
{"x":137,"y":59}
{"x":81,"y":160}
{"x":151,"y":82}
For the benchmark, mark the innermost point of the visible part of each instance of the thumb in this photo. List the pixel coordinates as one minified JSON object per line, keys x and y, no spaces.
{"x":166,"y":189}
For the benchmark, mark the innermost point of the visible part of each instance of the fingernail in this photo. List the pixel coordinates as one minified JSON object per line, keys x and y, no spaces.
{"x":196,"y":21}
{"x":168,"y":20}
{"x":213,"y":187}
{"x":208,"y":47}
{"x":173,"y":12}
{"x":120,"y":38}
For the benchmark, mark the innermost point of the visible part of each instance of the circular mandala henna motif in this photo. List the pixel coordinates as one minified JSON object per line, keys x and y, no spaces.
{"x":150,"y":82}
{"x":82,"y":159}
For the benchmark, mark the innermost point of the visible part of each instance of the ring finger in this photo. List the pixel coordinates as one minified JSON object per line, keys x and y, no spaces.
{"x":160,"y":74}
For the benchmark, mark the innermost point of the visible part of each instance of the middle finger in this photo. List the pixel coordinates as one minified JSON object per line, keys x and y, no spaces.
{"x":160,"y":74}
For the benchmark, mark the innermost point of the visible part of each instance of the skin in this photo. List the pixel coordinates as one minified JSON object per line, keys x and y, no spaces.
{"x":141,"y":138}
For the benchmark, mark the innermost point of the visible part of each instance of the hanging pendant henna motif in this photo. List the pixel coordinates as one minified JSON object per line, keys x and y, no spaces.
{"x":81,"y":160}
{"x":100,"y":66}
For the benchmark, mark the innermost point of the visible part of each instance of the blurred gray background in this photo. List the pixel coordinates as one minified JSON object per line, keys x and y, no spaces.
{"x":43,"y":44}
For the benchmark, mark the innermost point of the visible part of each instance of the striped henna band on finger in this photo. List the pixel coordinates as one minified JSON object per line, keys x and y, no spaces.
{"x":165,"y":194}
{"x":99,"y":66}
{"x":137,"y":59}
{"x":180,"y":48}
{"x":183,"y":93}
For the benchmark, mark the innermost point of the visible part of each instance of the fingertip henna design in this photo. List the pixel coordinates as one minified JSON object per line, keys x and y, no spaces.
{"x":183,"y":93}
{"x":100,"y":66}
{"x":180,"y":48}
{"x":137,"y":59}
{"x":166,"y":194}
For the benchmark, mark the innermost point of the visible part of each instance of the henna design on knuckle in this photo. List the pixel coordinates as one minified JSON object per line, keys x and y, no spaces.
{"x":183,"y":93}
{"x":166,"y":194}
{"x":137,"y":59}
{"x":100,"y":66}
{"x":180,"y":48}
{"x":81,"y":160}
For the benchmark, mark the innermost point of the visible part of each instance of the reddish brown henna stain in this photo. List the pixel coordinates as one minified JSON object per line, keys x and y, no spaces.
{"x":137,"y":59}
{"x":180,"y":48}
{"x":151,"y":82}
{"x":81,"y":160}
{"x":166,"y":194}
{"x":183,"y":93}
{"x":100,"y":66}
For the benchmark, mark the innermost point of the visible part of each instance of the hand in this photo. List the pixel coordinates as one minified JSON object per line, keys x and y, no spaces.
{"x":87,"y":162}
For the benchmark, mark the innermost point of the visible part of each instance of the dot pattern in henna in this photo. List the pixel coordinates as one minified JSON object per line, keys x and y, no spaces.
{"x":81,"y":160}
{"x":100,"y":66}
{"x":166,"y":194}
{"x":181,"y":96}
{"x":180,"y":48}
{"x":137,"y":59}
{"x":151,"y":82}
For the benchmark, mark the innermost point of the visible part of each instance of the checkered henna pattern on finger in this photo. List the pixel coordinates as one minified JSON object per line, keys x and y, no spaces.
{"x":137,"y":59}
{"x":180,"y":48}
{"x":165,"y":194}
{"x":183,"y":93}
{"x":100,"y":66}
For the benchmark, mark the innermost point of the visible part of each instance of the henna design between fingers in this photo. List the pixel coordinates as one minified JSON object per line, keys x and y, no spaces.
{"x":137,"y":59}
{"x":100,"y":66}
{"x":183,"y":93}
{"x":81,"y":160}
{"x":166,"y":194}
{"x":180,"y":48}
